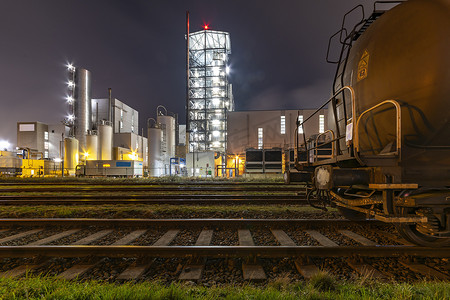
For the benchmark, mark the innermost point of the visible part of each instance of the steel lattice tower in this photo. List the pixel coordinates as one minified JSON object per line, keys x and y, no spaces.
{"x":209,"y":90}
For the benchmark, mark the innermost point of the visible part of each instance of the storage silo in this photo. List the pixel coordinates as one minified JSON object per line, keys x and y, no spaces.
{"x":82,"y":105}
{"x":155,"y":165}
{"x":105,"y":132}
{"x":71,"y":155}
{"x":91,"y":146}
{"x":167,"y":124}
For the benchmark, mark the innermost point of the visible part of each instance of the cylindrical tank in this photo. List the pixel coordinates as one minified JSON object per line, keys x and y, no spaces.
{"x":155,"y":164}
{"x":403,"y":56}
{"x":105,"y":133}
{"x":71,"y":155}
{"x":82,"y":105}
{"x":91,"y":146}
{"x":167,"y":124}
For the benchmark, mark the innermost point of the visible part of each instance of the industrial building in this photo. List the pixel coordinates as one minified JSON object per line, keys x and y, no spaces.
{"x":95,"y":130}
{"x":263,"y":141}
{"x":210,"y":95}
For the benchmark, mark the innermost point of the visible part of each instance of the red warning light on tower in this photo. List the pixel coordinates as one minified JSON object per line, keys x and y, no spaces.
{"x":206,"y":26}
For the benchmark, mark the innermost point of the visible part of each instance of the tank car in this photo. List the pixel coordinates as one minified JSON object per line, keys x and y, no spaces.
{"x":389,"y":123}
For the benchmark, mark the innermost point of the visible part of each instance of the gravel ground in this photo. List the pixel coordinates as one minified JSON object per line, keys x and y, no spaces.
{"x":112,"y":237}
{"x":301,"y":238}
{"x":263,"y":237}
{"x":281,"y":269}
{"x":225,"y":238}
{"x":336,"y":266}
{"x":148,"y":238}
{"x":395,"y":270}
{"x":56,"y":266}
{"x":220,"y":271}
{"x":108,"y":269}
{"x":186,"y":238}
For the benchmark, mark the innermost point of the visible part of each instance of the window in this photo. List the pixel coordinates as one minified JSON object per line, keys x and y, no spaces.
{"x":46,"y":135}
{"x":121,"y":124}
{"x":283,"y":124}
{"x":121,"y":113}
{"x":46,"y":145}
{"x":321,"y":123}
{"x":260,"y":138}
{"x":300,"y":121}
{"x":26,"y":127}
{"x":45,"y":154}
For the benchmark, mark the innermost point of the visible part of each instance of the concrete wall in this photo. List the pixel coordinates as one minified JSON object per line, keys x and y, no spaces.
{"x":243,"y":128}
{"x":31,"y":135}
{"x":126,"y":119}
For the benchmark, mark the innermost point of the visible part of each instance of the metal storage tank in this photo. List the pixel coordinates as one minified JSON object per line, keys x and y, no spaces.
{"x":92,"y":146}
{"x":167,"y":124}
{"x":82,"y":105}
{"x":71,"y":155}
{"x":105,"y":132}
{"x":155,"y":165}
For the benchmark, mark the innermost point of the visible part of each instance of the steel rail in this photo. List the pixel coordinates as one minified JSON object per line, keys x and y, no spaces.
{"x":74,"y":222}
{"x":157,"y":197}
{"x":221,"y":251}
{"x":137,"y":183}
{"x":280,"y":188}
{"x":83,"y":201}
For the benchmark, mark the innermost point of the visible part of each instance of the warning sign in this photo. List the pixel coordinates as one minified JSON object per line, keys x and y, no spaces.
{"x":363,"y":65}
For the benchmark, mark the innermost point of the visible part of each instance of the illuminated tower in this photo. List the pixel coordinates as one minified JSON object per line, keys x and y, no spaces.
{"x":79,"y":99}
{"x":209,"y":90}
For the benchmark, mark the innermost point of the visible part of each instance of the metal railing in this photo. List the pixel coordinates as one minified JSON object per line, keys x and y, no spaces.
{"x":339,"y":136}
{"x":398,"y":120}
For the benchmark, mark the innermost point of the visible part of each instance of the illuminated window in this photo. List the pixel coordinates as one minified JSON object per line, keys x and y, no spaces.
{"x":46,"y":135}
{"x":321,"y":123}
{"x":300,"y":121}
{"x":283,"y":125}
{"x":45,"y":154}
{"x":46,"y":145}
{"x":260,"y":138}
{"x":121,"y":124}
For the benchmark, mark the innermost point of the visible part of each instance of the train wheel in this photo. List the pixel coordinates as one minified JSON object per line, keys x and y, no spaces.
{"x":351,"y":214}
{"x":411,"y":234}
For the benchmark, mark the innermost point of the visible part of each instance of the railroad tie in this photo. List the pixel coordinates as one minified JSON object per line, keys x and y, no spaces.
{"x":136,"y":270}
{"x":414,"y":266}
{"x":358,"y":238}
{"x":305,"y":266}
{"x":19,"y":235}
{"x":194,"y":271}
{"x":22,"y":269}
{"x":252,"y":270}
{"x":129,"y":237}
{"x":283,"y":238}
{"x":93,"y":237}
{"x":54,"y":237}
{"x":425,"y":270}
{"x":81,"y":268}
{"x":321,"y":239}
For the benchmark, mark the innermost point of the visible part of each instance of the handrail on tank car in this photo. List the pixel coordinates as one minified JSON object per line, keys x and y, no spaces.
{"x":352,"y":94}
{"x":398,"y":125}
{"x":332,"y":142}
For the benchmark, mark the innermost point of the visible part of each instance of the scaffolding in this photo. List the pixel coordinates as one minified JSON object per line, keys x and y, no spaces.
{"x":210,"y":94}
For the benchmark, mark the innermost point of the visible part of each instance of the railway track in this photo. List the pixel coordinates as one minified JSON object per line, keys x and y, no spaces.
{"x":150,"y":189}
{"x":175,"y":199}
{"x":82,"y":245}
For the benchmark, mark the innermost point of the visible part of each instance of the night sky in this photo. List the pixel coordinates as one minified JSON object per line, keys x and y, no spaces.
{"x":138,"y":49}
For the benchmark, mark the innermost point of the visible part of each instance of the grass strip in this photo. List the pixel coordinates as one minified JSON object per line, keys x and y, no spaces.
{"x":53,"y":288}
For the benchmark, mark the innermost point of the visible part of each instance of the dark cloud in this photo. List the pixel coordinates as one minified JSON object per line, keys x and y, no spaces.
{"x":137,"y":49}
